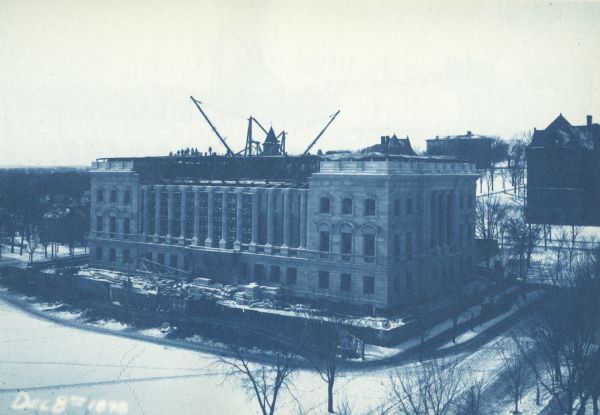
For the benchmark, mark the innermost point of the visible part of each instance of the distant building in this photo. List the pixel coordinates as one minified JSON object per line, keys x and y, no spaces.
{"x":472,"y":148}
{"x":392,"y":145}
{"x":563,"y":174}
{"x":360,"y":228}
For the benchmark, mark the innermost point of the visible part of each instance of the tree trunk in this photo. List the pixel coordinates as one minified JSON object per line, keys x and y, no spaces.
{"x":22,"y":242}
{"x":595,"y":405}
{"x":330,"y":395}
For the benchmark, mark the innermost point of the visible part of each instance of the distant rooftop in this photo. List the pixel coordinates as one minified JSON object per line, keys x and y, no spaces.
{"x":561,"y":132}
{"x":468,"y":136}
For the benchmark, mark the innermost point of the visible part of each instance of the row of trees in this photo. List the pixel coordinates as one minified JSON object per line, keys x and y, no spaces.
{"x":508,"y":158}
{"x":43,"y":207}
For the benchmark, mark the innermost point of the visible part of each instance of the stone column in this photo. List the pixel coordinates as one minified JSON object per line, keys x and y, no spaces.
{"x":93,"y":225}
{"x":157,"y":195}
{"x":224,"y":219}
{"x":270,"y":220}
{"x":196,"y":236}
{"x":303,"y":219}
{"x":433,"y":216}
{"x":145,"y":214}
{"x":183,"y":214}
{"x":210,"y":214}
{"x":238,"y":221}
{"x":255,"y":212}
{"x":443,"y":213}
{"x":170,"y":213}
{"x":287,"y":207}
{"x":457,"y":218}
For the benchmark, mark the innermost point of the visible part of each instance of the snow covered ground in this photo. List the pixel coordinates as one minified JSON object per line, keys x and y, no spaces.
{"x":48,"y":361}
{"x":38,"y":255}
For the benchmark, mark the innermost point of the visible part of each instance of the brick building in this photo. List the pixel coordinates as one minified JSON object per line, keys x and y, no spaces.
{"x":471,"y":148}
{"x":563,"y":174}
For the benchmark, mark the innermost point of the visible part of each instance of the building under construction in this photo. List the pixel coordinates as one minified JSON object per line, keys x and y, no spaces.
{"x":363,"y":228}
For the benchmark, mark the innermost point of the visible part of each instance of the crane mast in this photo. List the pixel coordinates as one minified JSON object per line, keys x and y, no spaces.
{"x":197,"y":103}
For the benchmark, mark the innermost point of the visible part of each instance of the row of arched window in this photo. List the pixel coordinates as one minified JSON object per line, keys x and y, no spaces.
{"x":112,"y":196}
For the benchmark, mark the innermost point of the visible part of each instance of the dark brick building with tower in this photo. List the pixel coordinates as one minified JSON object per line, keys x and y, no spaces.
{"x":563,"y":174}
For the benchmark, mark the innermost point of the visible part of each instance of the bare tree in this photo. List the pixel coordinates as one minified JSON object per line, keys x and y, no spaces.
{"x":523,"y":238}
{"x":572,"y":242}
{"x":33,"y":241}
{"x":471,"y":402}
{"x":262,"y":382}
{"x":517,"y":160}
{"x":516,"y":371}
{"x":431,"y":388}
{"x":490,"y":216}
{"x":564,"y":333}
{"x":323,"y":337}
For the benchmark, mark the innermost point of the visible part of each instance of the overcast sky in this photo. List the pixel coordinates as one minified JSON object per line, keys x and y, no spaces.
{"x":81,"y":80}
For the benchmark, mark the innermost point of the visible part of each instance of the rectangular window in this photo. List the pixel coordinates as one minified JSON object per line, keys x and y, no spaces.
{"x":98,"y":253}
{"x":259,"y":272}
{"x":127,"y":197}
{"x":369,"y":207}
{"x":397,"y":279}
{"x":126,"y":256}
{"x":409,"y":206}
{"x":112,"y":227}
{"x":346,"y":245}
{"x":347,"y":206}
{"x":99,"y":223}
{"x":324,"y":205}
{"x":324,"y":243}
{"x":369,"y":247}
{"x":275,"y":274}
{"x":291,"y":276}
{"x":397,"y":245}
{"x":345,"y":283}
{"x":409,"y":244}
{"x":113,"y":196}
{"x":368,"y":284}
{"x":462,"y":201}
{"x":112,"y":255}
{"x":397,"y":207}
{"x":100,"y":195}
{"x":126,"y":227}
{"x":173,"y":261}
{"x":323,"y":280}
{"x":161,"y":259}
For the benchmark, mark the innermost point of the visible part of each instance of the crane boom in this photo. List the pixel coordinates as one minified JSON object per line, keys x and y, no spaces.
{"x":259,"y":124}
{"x":197,"y":103}
{"x":320,"y":134}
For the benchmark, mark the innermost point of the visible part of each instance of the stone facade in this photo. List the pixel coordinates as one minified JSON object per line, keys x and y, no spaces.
{"x":374,"y":231}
